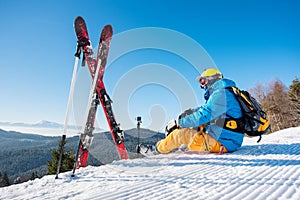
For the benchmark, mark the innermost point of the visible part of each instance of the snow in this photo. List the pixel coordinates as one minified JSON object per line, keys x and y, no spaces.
{"x":268,"y":170}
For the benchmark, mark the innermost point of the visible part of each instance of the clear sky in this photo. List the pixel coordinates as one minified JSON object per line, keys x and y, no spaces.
{"x":249,"y":41}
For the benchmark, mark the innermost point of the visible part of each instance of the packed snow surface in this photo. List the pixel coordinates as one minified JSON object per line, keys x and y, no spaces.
{"x":268,"y":170}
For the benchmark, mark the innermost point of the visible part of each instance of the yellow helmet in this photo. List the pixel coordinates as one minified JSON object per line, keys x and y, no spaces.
{"x":209,"y":76}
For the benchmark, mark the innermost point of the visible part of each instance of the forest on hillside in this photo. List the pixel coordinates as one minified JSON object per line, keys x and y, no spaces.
{"x":280,"y":102}
{"x":25,"y":156}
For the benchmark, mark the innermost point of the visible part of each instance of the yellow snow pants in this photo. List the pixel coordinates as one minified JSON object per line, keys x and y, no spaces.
{"x":193,"y":139}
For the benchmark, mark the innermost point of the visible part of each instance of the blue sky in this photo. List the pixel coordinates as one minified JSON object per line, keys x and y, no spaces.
{"x":249,"y":41}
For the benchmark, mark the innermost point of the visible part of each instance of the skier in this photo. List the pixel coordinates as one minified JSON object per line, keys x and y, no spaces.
{"x":208,"y":127}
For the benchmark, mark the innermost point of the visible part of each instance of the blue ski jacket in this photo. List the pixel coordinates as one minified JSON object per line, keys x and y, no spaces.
{"x":220,"y":102}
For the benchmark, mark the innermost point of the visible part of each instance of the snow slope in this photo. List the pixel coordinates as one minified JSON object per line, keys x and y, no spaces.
{"x":268,"y":170}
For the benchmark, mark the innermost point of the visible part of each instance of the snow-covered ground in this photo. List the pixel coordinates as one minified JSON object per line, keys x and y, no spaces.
{"x":268,"y":170}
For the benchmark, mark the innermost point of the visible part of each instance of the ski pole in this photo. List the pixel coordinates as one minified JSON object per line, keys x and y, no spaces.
{"x":77,"y":57}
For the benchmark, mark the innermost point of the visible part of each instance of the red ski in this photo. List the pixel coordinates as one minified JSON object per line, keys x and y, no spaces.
{"x":98,"y":92}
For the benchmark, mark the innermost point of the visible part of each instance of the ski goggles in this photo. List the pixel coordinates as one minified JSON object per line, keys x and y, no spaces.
{"x":203,"y":81}
{"x":206,"y":81}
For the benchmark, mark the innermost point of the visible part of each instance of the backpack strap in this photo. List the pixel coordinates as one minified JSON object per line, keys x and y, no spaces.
{"x":228,"y":122}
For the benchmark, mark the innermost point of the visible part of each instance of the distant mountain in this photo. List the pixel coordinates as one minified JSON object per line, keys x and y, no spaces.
{"x":40,"y":124}
{"x":45,"y":123}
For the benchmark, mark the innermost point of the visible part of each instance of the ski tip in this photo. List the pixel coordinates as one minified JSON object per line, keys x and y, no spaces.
{"x":108,"y":26}
{"x":79,"y":18}
{"x":106,"y":32}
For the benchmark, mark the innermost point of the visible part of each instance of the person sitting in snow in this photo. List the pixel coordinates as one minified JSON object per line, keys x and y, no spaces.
{"x":206,"y":128}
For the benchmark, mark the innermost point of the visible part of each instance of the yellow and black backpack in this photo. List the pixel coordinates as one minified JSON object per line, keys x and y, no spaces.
{"x":254,"y":121}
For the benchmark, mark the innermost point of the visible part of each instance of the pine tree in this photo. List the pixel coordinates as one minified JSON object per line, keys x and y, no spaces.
{"x":294,"y":97}
{"x":5,"y":180}
{"x":67,"y":160}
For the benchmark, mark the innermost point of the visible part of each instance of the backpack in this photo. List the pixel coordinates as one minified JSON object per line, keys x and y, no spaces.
{"x":254,"y":121}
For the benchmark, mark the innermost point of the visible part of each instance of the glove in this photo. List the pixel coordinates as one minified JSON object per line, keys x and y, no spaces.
{"x":171,"y":126}
{"x":185,"y":113}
